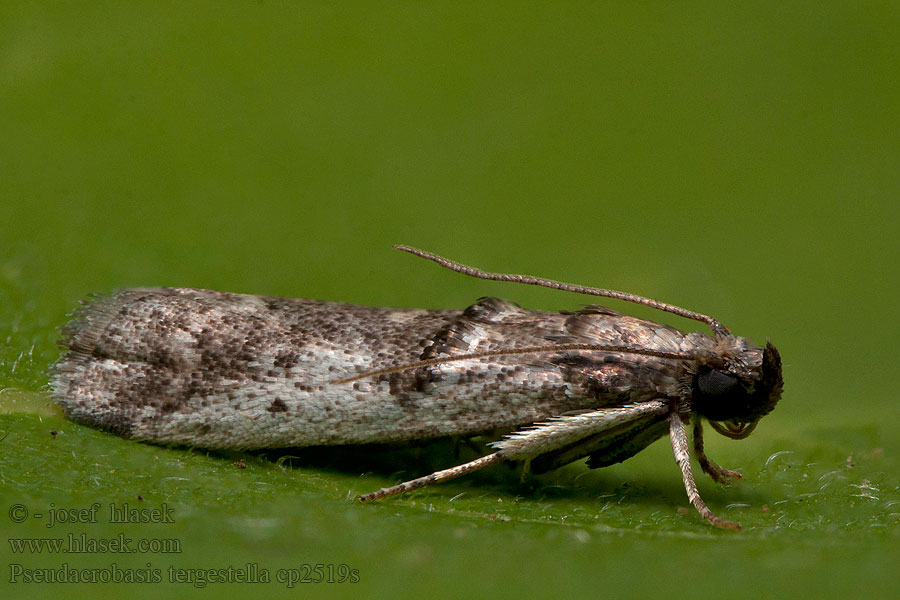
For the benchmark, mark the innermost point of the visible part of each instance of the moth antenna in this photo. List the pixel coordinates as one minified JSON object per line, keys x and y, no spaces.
{"x":718,"y":329}
{"x":517,"y":351}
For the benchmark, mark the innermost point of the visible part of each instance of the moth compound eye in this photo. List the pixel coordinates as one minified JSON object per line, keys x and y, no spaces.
{"x":719,"y":396}
{"x":716,"y":383}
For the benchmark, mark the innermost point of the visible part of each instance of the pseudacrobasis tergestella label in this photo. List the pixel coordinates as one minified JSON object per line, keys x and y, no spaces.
{"x":234,"y":371}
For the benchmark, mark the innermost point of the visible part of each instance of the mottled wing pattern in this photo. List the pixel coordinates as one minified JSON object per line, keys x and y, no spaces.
{"x":213,"y":369}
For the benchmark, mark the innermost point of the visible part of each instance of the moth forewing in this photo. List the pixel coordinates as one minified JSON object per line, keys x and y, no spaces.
{"x":233,"y":371}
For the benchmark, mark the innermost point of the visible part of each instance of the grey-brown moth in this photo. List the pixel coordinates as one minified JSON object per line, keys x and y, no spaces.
{"x":234,"y":371}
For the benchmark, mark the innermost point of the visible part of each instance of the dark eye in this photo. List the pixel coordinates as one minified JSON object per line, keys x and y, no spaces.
{"x":719,"y":396}
{"x":716,"y":383}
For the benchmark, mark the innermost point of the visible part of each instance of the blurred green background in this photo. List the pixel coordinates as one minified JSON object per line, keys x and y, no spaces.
{"x":740,"y":161}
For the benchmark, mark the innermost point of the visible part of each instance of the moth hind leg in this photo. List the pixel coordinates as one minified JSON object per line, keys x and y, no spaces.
{"x":543,"y":437}
{"x":719,"y":474}
{"x":437,"y":477}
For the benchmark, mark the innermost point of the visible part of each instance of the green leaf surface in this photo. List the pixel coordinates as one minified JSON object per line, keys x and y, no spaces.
{"x":738,"y":161}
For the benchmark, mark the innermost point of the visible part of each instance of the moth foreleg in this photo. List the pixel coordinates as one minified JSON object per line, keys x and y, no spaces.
{"x":683,"y":458}
{"x":720,"y":474}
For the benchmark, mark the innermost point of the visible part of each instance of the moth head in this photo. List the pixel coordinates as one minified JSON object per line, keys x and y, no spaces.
{"x":734,"y":405}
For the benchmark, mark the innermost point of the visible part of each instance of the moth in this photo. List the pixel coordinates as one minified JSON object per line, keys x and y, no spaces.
{"x":233,"y":371}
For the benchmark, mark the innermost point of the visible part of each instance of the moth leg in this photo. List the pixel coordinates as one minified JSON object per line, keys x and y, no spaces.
{"x":436,"y":477}
{"x":683,"y":458}
{"x":720,"y":474}
{"x":543,"y":437}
